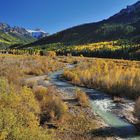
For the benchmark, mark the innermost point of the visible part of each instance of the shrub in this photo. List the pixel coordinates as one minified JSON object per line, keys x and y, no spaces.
{"x":116,"y":77}
{"x":40,"y":92}
{"x":52,"y":106}
{"x":30,"y":83}
{"x":82,"y":98}
{"x":51,"y":54}
{"x":19,"y":114}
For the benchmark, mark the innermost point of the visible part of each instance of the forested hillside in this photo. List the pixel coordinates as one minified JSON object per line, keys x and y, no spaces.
{"x":115,"y":37}
{"x":123,"y":25}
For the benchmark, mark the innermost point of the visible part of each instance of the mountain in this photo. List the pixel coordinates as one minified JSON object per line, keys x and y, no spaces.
{"x":13,"y":36}
{"x":38,"y":33}
{"x":130,"y":14}
{"x":123,"y":25}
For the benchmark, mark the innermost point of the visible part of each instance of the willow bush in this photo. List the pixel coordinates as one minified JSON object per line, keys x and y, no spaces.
{"x":19,"y":114}
{"x":52,"y":106}
{"x":82,"y":98}
{"x":116,"y":77}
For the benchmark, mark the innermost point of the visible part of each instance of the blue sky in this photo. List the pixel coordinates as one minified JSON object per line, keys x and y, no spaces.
{"x":55,"y":15}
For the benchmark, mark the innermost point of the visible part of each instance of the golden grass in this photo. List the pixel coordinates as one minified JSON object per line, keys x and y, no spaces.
{"x":39,"y":105}
{"x":19,"y":104}
{"x":117,"y":77}
{"x":15,"y":67}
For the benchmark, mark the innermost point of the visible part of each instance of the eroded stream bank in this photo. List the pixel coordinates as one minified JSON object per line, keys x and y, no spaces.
{"x":104,"y":106}
{"x":111,"y":113}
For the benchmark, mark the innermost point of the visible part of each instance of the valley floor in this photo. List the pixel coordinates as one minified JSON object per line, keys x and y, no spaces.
{"x":81,"y":123}
{"x":58,"y":112}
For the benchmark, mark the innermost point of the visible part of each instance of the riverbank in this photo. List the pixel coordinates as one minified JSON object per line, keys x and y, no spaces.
{"x":101,"y":104}
{"x":125,"y":107}
{"x":104,"y":106}
{"x":80,"y":123}
{"x":115,"y":77}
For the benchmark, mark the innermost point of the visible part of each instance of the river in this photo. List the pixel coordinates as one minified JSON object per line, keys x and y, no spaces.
{"x":103,"y":105}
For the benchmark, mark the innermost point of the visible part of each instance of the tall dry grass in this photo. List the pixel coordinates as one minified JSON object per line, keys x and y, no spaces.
{"x":117,"y":77}
{"x":23,"y":109}
{"x":52,"y":106}
{"x":15,"y":67}
{"x":82,"y":98}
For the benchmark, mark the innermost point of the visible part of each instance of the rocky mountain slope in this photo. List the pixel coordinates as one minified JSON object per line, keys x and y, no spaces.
{"x":13,"y":35}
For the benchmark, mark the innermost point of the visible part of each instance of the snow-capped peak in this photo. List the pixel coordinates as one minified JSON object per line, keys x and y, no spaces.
{"x":37,"y":33}
{"x":37,"y":30}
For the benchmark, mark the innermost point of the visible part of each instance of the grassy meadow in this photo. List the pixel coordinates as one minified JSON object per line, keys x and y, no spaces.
{"x":31,"y":110}
{"x":69,"y":79}
{"x":20,"y":110}
{"x":116,"y":77}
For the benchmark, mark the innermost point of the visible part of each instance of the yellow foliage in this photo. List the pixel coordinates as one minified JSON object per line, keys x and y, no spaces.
{"x":19,"y":114}
{"x":51,"y":54}
{"x":82,"y":98}
{"x":117,"y":77}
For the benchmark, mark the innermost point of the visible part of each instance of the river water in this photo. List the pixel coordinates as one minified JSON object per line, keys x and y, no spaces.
{"x":102,"y":105}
